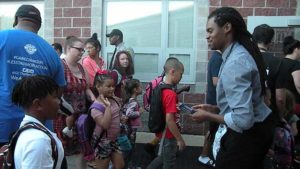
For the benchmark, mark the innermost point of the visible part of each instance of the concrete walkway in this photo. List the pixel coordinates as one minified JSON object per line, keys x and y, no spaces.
{"x":186,"y":159}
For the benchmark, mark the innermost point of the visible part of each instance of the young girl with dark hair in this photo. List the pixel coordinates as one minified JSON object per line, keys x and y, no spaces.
{"x":93,"y":62}
{"x":281,"y":154}
{"x":123,"y":69}
{"x":132,"y":112}
{"x":107,"y":123}
{"x":245,"y":120}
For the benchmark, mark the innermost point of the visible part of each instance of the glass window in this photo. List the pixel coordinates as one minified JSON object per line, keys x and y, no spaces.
{"x":156,"y":30}
{"x":8,"y":10}
{"x":149,"y":63}
{"x":181,"y":16}
{"x":140,"y":22}
{"x":185,"y":59}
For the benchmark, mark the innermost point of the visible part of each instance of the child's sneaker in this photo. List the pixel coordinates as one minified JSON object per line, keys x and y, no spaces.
{"x":68,"y":132}
{"x":206,"y":161}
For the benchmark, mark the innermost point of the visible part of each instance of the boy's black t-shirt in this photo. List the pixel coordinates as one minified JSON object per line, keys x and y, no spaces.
{"x":288,"y":67}
{"x":273,"y":66}
{"x":274,"y":81}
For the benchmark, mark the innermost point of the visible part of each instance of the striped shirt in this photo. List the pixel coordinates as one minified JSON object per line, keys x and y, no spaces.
{"x":114,"y":128}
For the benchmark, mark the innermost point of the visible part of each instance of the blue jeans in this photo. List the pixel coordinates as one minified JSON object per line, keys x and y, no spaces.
{"x":167,"y":159}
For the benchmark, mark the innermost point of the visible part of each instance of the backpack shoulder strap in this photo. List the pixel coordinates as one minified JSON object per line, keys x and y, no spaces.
{"x":33,"y":125}
{"x":165,"y":86}
{"x":118,"y":103}
{"x":119,"y":79}
{"x":97,"y":106}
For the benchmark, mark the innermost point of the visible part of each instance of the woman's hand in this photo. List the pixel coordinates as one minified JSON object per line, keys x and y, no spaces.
{"x":207,"y":107}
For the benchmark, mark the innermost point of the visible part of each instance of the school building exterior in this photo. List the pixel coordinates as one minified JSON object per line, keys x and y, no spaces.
{"x":158,"y":29}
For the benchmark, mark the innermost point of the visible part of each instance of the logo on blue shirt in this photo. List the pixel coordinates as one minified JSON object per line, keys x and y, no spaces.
{"x":30,"y":49}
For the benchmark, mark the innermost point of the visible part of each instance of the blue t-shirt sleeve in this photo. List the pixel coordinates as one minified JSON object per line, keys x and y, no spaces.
{"x":59,"y":76}
{"x":216,"y":64}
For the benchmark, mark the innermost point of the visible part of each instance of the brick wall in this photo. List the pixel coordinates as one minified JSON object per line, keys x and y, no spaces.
{"x":72,"y":17}
{"x":259,"y":7}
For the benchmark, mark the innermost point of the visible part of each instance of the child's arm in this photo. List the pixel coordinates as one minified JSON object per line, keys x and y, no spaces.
{"x":132,"y":111}
{"x":294,"y":128}
{"x":170,"y":121}
{"x":105,"y":120}
{"x":280,"y":99}
{"x":70,"y":121}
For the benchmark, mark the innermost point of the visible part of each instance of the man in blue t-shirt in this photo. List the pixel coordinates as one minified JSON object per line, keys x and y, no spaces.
{"x":23,"y":53}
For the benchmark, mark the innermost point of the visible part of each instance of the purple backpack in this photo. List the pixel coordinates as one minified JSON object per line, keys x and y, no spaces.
{"x":85,"y":127}
{"x":284,"y":145}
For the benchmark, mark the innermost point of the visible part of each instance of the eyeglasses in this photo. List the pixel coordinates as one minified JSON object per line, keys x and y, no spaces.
{"x":79,"y":49}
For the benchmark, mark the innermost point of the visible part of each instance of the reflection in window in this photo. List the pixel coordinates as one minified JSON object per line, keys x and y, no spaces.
{"x":155,"y":29}
{"x":181,"y":24}
{"x":185,"y":60}
{"x":148,"y":63}
{"x":8,"y":10}
{"x":140,"y":22}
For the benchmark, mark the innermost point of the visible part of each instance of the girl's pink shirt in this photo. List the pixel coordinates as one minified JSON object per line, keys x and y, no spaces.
{"x":91,"y":67}
{"x":114,"y":129}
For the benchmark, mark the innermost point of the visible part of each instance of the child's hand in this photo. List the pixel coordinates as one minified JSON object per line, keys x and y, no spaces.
{"x":123,"y":119}
{"x":141,"y":110}
{"x":105,"y":101}
{"x":177,"y":106}
{"x":70,"y":121}
{"x":181,"y":145}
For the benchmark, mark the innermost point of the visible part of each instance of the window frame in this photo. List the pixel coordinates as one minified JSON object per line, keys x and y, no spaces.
{"x":163,"y":51}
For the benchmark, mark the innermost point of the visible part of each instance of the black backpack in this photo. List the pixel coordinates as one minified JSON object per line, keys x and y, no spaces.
{"x":7,"y":151}
{"x":157,"y":121}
